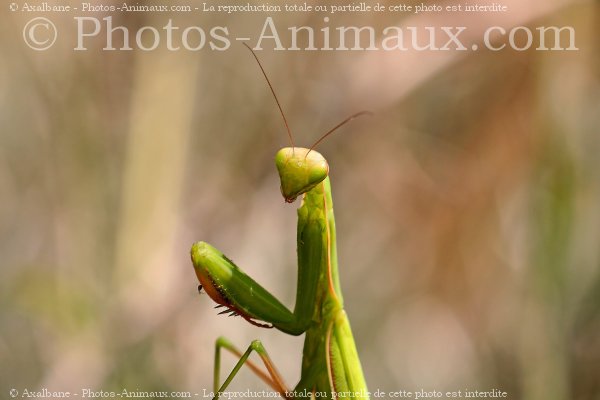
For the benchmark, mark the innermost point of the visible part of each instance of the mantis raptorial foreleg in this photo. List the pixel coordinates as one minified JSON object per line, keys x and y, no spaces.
{"x":239,"y":294}
{"x":330,"y":363}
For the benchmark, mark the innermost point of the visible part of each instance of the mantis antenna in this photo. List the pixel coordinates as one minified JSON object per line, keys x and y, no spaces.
{"x":350,"y":118}
{"x":274,"y":95}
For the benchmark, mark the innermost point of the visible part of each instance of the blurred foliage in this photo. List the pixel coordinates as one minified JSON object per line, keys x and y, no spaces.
{"x":467,"y":210}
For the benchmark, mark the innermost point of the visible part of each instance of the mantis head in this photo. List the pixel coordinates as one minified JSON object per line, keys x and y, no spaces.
{"x":300,"y":170}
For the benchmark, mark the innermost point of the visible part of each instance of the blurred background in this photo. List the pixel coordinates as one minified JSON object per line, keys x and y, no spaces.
{"x":467,"y":208}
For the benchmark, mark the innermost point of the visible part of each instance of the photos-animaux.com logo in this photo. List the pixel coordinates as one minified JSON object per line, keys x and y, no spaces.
{"x":103,"y":33}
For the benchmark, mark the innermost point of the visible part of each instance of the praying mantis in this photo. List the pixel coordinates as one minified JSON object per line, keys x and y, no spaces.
{"x":331,"y":367}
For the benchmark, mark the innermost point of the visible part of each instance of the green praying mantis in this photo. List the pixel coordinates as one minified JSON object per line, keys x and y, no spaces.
{"x":331,"y":367}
